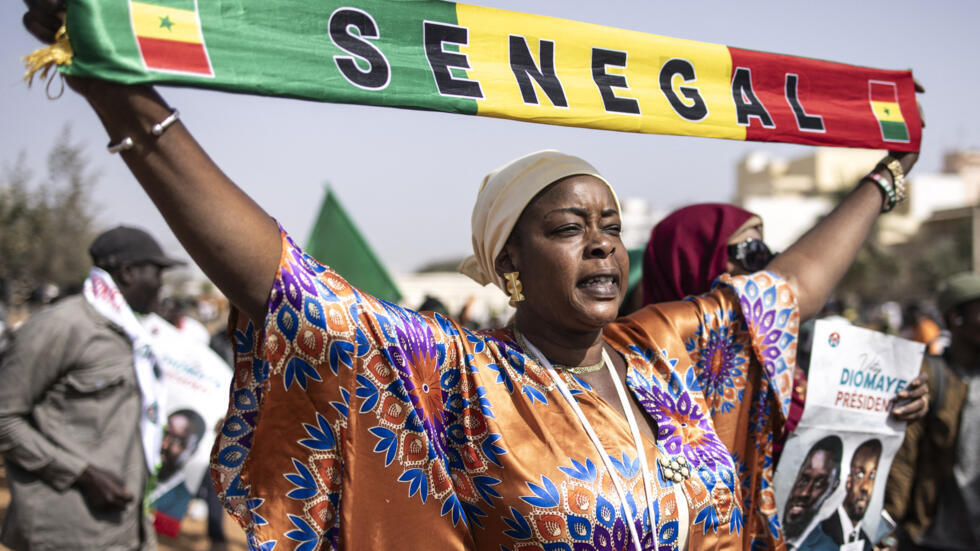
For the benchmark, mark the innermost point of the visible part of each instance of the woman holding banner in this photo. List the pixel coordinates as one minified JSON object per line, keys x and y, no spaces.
{"x":358,"y":424}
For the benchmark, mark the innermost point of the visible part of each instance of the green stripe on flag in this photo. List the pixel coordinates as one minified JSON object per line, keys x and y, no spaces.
{"x":895,"y":131}
{"x":188,"y":5}
{"x":286,"y":42}
{"x":336,"y":242}
{"x":100,"y":32}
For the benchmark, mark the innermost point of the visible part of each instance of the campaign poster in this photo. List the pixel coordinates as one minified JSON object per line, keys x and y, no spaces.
{"x":197,"y":382}
{"x":830,"y":481}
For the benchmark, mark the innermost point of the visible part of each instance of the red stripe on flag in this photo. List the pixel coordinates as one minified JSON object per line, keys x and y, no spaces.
{"x":166,"y":524}
{"x":835,"y":92}
{"x":884,"y":91}
{"x":171,"y":55}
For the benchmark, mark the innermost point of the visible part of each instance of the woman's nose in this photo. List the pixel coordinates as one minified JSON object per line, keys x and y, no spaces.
{"x":600,"y":246}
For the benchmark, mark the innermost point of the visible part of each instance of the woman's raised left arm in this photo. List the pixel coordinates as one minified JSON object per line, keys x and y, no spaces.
{"x":818,"y":260}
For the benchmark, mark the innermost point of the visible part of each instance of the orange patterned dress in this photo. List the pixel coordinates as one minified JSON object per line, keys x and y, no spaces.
{"x":357,"y":424}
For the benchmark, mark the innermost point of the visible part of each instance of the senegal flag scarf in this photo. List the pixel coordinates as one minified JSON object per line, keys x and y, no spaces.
{"x":428,"y":54}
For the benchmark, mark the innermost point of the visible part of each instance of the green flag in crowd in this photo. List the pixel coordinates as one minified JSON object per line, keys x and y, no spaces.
{"x":336,"y":242}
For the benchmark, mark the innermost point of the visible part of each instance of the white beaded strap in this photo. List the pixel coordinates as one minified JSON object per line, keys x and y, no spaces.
{"x":637,"y":440}
{"x":157,"y":129}
{"x":613,"y":475}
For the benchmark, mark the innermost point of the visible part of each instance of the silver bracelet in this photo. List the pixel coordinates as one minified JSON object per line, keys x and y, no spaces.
{"x":123,"y":145}
{"x":157,"y":129}
{"x":162,"y":126}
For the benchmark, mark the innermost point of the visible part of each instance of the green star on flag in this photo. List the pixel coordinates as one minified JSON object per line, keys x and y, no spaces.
{"x":166,"y":23}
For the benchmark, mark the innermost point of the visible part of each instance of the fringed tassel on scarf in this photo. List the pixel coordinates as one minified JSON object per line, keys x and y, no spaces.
{"x":45,"y":59}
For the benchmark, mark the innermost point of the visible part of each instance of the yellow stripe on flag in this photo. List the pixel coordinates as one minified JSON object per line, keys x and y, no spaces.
{"x":488,"y":54}
{"x":887,"y":111}
{"x":161,"y":22}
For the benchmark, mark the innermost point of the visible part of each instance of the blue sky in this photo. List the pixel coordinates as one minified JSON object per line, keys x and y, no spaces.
{"x":409,"y":178}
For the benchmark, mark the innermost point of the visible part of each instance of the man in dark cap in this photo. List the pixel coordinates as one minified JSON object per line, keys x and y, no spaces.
{"x":79,"y":407}
{"x":933,"y":490}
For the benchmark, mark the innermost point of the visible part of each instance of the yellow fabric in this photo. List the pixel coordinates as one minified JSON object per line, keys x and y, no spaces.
{"x":44,"y":59}
{"x":504,"y":194}
{"x":887,"y":111}
{"x":489,"y":55}
{"x":166,"y":23}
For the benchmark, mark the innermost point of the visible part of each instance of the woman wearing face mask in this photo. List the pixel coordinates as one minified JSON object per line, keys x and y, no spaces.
{"x":358,"y":424}
{"x":687,"y":251}
{"x":694,"y":245}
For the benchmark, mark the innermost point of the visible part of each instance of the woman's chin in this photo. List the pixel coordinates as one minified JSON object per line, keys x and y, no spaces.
{"x":598,"y":315}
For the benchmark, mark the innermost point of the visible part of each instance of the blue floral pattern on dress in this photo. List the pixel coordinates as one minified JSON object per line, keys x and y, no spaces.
{"x":347,"y":410}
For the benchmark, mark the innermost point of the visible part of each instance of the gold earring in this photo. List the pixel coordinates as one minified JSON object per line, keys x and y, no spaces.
{"x":514,"y":288}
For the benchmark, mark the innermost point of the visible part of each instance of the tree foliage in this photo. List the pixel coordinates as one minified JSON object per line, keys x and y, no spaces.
{"x":873,"y":269}
{"x":909,"y":271}
{"x":942,"y":256}
{"x":46,"y":225}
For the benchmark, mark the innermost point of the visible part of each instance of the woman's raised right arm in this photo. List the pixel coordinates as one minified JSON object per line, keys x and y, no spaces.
{"x":227,"y":234}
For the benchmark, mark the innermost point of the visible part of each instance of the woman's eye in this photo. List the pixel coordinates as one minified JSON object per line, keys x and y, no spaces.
{"x":614,"y":229}
{"x":567,"y":230}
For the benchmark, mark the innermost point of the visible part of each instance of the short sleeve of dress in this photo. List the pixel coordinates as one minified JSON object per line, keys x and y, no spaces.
{"x":745,"y":323}
{"x":286,"y":461}
{"x":770,"y":315}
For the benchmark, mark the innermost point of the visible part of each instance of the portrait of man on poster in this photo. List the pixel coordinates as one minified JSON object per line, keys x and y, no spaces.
{"x":843,"y":530}
{"x":181,"y":437}
{"x":818,"y":477}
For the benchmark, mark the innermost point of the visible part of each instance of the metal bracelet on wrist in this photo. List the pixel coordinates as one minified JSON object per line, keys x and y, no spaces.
{"x":120,"y":146}
{"x":894,"y":167}
{"x":887,"y":189}
{"x":157,"y":129}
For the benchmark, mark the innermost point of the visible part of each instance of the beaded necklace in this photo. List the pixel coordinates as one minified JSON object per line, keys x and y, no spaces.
{"x":573,"y":369}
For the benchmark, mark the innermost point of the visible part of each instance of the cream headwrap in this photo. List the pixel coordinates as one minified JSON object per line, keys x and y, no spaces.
{"x":504,"y":194}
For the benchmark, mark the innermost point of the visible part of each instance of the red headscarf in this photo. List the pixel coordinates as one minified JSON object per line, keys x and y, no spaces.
{"x":688,"y":250}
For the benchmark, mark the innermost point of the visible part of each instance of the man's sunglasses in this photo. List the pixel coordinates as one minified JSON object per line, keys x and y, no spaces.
{"x":752,"y":254}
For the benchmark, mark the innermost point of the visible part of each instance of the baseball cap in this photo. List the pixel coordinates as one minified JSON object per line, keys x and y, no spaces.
{"x":958,"y":289}
{"x":126,"y":244}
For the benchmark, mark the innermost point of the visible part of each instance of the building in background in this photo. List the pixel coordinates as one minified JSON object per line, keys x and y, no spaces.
{"x":638,"y":219}
{"x":791,"y":195}
{"x":932,"y":234}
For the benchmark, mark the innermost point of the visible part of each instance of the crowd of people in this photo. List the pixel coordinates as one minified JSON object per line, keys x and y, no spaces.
{"x":77,"y":459}
{"x":356,"y":423}
{"x":933,"y":444}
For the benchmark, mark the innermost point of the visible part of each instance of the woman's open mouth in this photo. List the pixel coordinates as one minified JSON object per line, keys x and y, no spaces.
{"x":600,"y":286}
